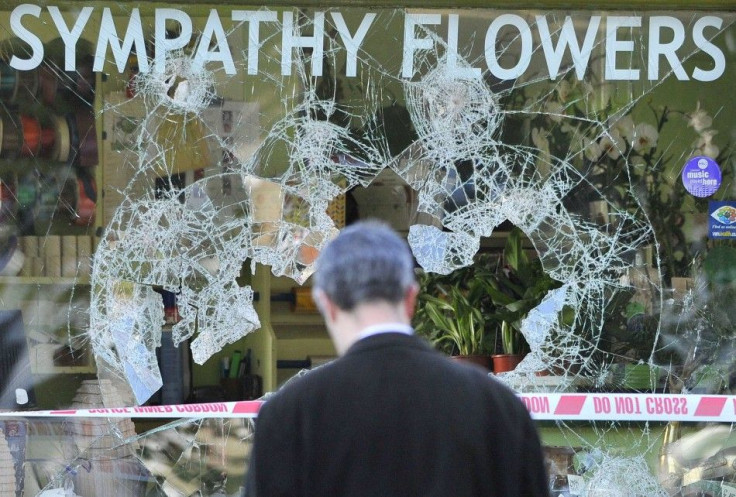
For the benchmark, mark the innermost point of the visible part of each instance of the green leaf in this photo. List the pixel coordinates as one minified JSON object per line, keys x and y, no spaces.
{"x":513,"y":252}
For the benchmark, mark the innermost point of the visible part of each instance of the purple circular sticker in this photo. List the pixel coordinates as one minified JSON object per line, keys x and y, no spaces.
{"x":701,"y":176}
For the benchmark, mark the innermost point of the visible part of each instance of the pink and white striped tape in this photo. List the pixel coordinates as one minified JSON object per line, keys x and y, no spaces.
{"x":541,"y":406}
{"x":630,"y":407}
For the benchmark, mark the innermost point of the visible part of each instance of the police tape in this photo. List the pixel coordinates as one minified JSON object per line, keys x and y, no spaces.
{"x":239,"y":409}
{"x":541,"y":406}
{"x":630,"y":407}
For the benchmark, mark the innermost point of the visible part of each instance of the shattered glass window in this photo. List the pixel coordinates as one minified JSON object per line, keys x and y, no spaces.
{"x":168,"y":176}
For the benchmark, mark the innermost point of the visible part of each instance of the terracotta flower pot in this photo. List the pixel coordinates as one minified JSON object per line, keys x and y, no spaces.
{"x":481,"y":360}
{"x":505,"y":362}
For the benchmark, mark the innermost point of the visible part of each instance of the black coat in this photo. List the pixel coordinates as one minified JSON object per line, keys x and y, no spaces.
{"x":393,"y":417}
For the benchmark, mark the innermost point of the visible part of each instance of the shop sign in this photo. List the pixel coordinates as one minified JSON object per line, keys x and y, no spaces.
{"x":421,"y":32}
{"x":722,"y":219}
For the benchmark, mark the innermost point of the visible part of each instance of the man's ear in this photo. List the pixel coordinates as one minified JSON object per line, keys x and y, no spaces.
{"x":326,"y":307}
{"x":410,"y":300}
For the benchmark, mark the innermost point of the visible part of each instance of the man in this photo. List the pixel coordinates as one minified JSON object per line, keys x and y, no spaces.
{"x":391,"y":416}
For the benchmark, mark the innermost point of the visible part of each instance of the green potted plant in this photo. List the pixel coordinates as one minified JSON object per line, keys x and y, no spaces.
{"x":478,"y":309}
{"x":514,"y":288}
{"x":449,"y":313}
{"x":513,"y":346}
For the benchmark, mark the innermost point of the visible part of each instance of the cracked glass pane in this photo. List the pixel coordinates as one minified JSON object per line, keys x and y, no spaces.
{"x":168,"y":176}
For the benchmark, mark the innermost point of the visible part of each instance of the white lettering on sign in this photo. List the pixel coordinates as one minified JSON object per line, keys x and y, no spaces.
{"x":162,"y":43}
{"x":254,"y":20}
{"x":70,"y":36}
{"x":614,"y":46}
{"x":34,"y":42}
{"x":352,"y":43}
{"x":290,"y":39}
{"x":412,"y":43}
{"x":120,"y":52}
{"x":706,"y":46}
{"x":621,"y":39}
{"x":668,"y":50}
{"x":524,"y":37}
{"x":221,"y":52}
{"x":568,"y":39}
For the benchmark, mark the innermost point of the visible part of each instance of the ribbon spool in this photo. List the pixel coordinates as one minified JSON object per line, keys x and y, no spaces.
{"x":7,"y":80}
{"x":27,"y":198}
{"x":134,"y":70}
{"x":48,"y":204}
{"x":27,"y":193}
{"x":82,"y":82}
{"x":11,"y":258}
{"x":48,"y":84}
{"x":66,"y":139}
{"x":84,"y":213}
{"x":26,"y":85}
{"x":48,"y":139}
{"x":79,"y":195}
{"x":87,"y":133}
{"x":7,"y":199}
{"x":31,"y":130}
{"x":12,"y":137}
{"x":86,"y":78}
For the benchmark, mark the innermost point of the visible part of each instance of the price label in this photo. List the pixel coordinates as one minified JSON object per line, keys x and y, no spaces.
{"x":577,"y":485}
{"x":728,"y":490}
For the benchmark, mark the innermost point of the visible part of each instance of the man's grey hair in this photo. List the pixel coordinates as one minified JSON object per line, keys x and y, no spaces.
{"x":367,"y":262}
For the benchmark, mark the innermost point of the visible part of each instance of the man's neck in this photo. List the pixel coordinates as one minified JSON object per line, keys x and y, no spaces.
{"x":348,"y":325}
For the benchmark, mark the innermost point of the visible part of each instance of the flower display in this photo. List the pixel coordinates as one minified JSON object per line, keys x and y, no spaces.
{"x":704,"y":144}
{"x":645,"y":137}
{"x":699,"y":119}
{"x":619,"y":152}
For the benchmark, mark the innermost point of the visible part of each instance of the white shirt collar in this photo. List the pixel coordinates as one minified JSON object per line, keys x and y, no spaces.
{"x":378,"y":329}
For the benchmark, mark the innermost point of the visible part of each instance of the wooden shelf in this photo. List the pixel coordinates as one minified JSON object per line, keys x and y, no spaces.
{"x":301,"y":332}
{"x":44,"y":281}
{"x":54,"y":370}
{"x":282,"y":315}
{"x":42,"y":362}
